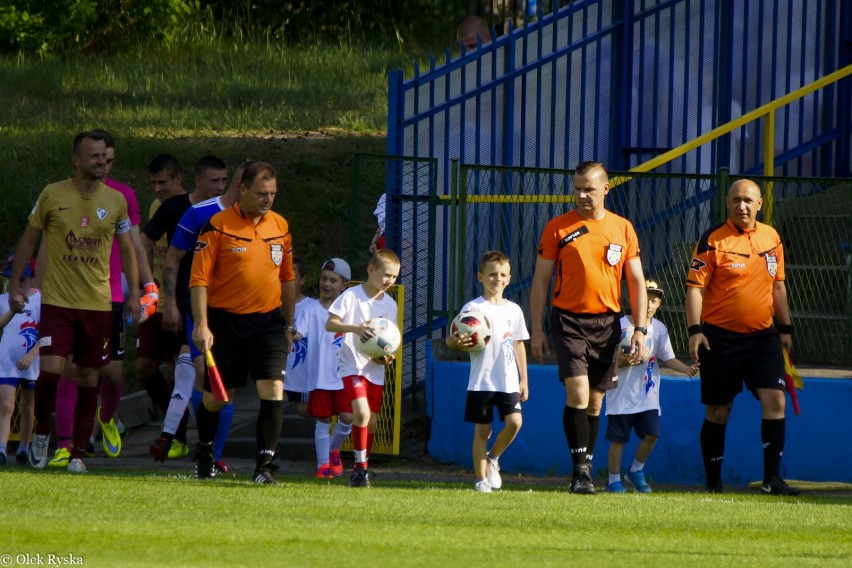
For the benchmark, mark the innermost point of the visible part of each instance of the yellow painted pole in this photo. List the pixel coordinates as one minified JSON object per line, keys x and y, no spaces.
{"x":768,"y":165}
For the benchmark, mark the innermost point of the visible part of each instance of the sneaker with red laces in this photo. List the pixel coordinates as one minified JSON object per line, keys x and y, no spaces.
{"x":324,"y":472}
{"x":160,"y":449}
{"x":335,"y":463}
{"x":220,"y":466}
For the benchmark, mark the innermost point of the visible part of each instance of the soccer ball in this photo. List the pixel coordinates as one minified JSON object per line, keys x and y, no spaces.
{"x":475,"y":323}
{"x":385,"y":341}
{"x":627,"y":334}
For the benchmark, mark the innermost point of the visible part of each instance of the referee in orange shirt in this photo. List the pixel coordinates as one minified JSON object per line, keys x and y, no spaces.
{"x":243,"y":291}
{"x":735,"y":285}
{"x":589,"y":248}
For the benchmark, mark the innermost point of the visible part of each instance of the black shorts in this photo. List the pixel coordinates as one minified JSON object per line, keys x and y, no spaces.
{"x":117,"y":343}
{"x":480,"y":405}
{"x":646,"y":423}
{"x":296,"y":396}
{"x":247,"y":343}
{"x":587,"y":345}
{"x":736,"y":358}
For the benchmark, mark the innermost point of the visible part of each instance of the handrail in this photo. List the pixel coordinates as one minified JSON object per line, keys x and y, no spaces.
{"x":768,"y":111}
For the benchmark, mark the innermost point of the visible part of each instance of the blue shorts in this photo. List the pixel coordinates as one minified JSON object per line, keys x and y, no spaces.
{"x":645,"y":423}
{"x":14,"y":382}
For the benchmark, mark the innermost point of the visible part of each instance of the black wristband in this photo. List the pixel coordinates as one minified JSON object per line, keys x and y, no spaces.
{"x":694,"y":330}
{"x":644,"y":330}
{"x":785,"y":328}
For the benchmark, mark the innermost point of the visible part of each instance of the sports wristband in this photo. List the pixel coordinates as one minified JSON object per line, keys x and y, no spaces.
{"x":785,"y":328}
{"x":644,"y":330}
{"x":694,"y":330}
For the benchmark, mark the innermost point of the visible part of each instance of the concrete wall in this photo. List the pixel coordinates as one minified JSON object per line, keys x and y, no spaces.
{"x":818,"y":446}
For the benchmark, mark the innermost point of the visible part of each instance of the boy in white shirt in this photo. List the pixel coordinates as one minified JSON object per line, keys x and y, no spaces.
{"x":364,"y":378}
{"x":635,"y":403}
{"x":498,"y":373}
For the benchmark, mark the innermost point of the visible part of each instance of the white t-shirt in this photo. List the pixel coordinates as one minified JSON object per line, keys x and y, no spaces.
{"x":19,"y":336}
{"x":639,"y":385}
{"x":494,"y":369}
{"x":353,"y":307}
{"x":301,"y":362}
{"x":324,"y":348}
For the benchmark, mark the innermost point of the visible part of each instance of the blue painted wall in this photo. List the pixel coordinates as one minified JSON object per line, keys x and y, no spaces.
{"x":818,"y":444}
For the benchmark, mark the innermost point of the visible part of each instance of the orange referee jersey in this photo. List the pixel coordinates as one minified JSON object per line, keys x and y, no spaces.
{"x":590,"y":256}
{"x":242,"y":264}
{"x":737,"y":269}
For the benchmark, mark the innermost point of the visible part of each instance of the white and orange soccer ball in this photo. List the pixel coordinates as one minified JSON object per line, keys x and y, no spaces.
{"x":385,"y":341}
{"x":476,"y":324}
{"x":627,"y":335}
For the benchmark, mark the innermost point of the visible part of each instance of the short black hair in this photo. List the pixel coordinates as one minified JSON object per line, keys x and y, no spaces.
{"x":107,"y":137}
{"x":165,"y":163}
{"x":209,"y":162}
{"x":86,"y":134}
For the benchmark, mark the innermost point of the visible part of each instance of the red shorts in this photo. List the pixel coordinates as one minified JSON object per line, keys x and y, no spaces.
{"x":327,"y":403}
{"x":154,"y":342}
{"x":359,"y":387}
{"x":84,"y":334}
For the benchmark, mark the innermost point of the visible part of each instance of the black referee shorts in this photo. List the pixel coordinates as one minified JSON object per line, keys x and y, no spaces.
{"x":736,"y":358}
{"x":247,"y":343}
{"x":587,"y":344}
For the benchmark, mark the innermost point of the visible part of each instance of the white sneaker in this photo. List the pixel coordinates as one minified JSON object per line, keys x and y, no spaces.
{"x":38,"y":450}
{"x":493,"y":474}
{"x":76,"y":466}
{"x":482,"y":487}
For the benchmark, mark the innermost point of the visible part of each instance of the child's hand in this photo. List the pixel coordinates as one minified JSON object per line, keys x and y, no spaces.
{"x":383,"y":361}
{"x":693,"y":369}
{"x":24,"y":362}
{"x":460,"y":341}
{"x":365,"y":331}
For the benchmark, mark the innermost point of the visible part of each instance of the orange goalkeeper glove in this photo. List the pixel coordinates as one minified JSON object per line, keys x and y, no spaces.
{"x":148,"y":301}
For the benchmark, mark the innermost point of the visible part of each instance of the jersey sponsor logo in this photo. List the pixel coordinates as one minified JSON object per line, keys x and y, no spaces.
{"x":567,"y":239}
{"x":200,"y":246}
{"x":736,"y":265}
{"x":239,"y":249}
{"x":697,"y":265}
{"x":72,"y":241}
{"x":29,"y":333}
{"x":84,"y":221}
{"x":613,"y":254}
{"x":772,"y":265}
{"x":277,"y":252}
{"x":101,"y":213}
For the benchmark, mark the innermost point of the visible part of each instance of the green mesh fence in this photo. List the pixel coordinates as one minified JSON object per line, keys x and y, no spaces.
{"x":507,"y":208}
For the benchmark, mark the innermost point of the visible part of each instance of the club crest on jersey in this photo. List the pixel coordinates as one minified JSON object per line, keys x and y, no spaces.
{"x":101,"y":213}
{"x":277,"y":252}
{"x":772,"y":265}
{"x":613,"y":254}
{"x":84,"y":221}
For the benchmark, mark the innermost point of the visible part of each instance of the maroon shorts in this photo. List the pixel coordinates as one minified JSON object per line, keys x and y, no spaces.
{"x":355,"y":386}
{"x":327,"y":403}
{"x":154,"y":342}
{"x":84,"y":334}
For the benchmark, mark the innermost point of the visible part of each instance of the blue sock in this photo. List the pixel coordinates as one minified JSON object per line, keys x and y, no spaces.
{"x":226,"y":416}
{"x":195,"y":400}
{"x":3,"y":449}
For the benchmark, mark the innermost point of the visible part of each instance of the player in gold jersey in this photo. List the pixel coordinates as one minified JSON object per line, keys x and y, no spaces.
{"x":79,"y":218}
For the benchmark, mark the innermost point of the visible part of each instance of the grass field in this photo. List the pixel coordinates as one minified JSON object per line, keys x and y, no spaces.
{"x":132,"y":518}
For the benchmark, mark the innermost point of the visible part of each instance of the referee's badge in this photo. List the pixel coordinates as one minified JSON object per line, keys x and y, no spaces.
{"x":613,"y":254}
{"x":771,"y":265}
{"x":277,"y":254}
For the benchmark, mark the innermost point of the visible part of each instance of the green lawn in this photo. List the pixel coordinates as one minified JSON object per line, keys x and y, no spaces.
{"x":142,"y":519}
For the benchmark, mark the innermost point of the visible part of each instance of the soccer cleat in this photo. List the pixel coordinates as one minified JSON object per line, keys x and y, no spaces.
{"x":263,"y":476}
{"x":360,"y":478}
{"x":38,"y":450}
{"x":637,"y":478}
{"x":204,"y":465}
{"x":324,"y":472}
{"x":90,"y":450}
{"x":178,"y":449}
{"x":715,"y":487}
{"x":122,"y":429}
{"x":493,"y":474}
{"x":221,"y":467}
{"x":482,"y":487}
{"x":336,"y":463}
{"x":2,"y":458}
{"x":76,"y":466}
{"x":777,"y":486}
{"x":615,"y":487}
{"x":582,"y":482}
{"x":22,"y":458}
{"x":111,"y":436}
{"x":60,"y":458}
{"x":161,"y":448}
